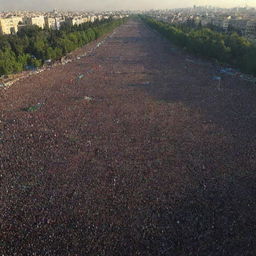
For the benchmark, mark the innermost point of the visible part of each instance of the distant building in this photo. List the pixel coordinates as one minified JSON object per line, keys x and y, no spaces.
{"x":116,"y":17}
{"x":197,"y":21}
{"x":250,"y":31}
{"x":206,"y":21}
{"x":239,"y":25}
{"x":218,"y":22}
{"x":38,"y":21}
{"x":21,"y":26}
{"x":9,"y":25}
{"x":50,"y":23}
{"x":59,"y":22}
{"x":226,"y":25}
{"x":77,"y":20}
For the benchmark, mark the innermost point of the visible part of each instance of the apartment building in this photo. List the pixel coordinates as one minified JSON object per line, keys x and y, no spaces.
{"x":59,"y":22}
{"x":239,"y":24}
{"x":250,"y":31}
{"x":50,"y":22}
{"x":77,"y":20}
{"x":9,"y":25}
{"x":226,"y":24}
{"x":93,"y":18}
{"x":38,"y":21}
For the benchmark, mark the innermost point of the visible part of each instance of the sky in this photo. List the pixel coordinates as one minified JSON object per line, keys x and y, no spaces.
{"x":114,"y":4}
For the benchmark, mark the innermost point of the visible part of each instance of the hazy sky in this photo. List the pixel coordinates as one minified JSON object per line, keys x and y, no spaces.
{"x":114,"y":4}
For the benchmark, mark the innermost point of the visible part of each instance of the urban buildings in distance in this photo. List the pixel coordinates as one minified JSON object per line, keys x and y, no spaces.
{"x":241,"y":20}
{"x":11,"y":22}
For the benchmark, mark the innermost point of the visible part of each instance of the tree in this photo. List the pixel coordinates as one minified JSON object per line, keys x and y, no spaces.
{"x":33,"y":45}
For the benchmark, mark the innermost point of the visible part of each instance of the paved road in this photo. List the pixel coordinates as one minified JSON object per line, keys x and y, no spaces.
{"x":132,"y":150}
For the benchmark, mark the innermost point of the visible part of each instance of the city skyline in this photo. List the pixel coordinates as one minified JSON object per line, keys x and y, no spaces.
{"x":114,"y":4}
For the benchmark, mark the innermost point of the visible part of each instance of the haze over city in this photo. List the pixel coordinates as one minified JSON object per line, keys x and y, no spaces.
{"x":114,"y":4}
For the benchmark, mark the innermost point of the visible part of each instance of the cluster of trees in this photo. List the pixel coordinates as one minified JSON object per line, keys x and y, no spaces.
{"x":190,"y":23}
{"x":225,"y":48}
{"x":31,"y":46}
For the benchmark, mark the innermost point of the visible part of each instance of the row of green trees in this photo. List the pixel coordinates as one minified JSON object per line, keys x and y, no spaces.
{"x":31,"y":46}
{"x":226,"y":48}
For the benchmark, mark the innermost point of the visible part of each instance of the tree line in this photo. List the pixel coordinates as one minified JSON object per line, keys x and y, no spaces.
{"x":31,"y":46}
{"x":225,"y":48}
